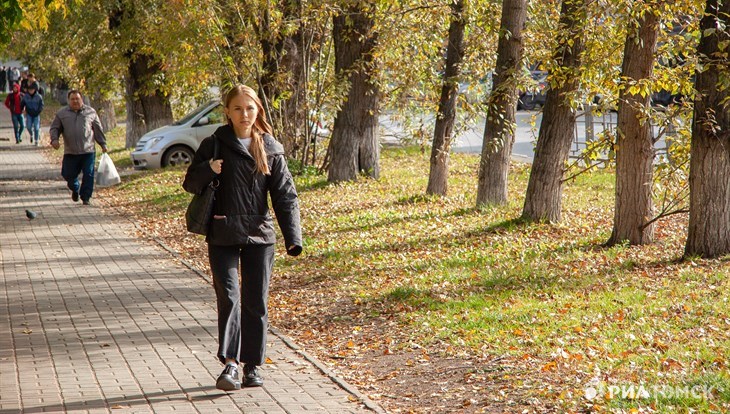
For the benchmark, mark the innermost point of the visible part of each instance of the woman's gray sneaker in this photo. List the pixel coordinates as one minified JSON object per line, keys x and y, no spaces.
{"x":228,"y":379}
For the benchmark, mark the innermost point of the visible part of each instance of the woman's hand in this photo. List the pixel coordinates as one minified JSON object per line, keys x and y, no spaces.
{"x":216,"y":165}
{"x":294,"y":250}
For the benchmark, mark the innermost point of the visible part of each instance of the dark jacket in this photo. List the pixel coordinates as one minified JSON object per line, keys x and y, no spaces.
{"x":32,"y":103}
{"x":242,"y":194}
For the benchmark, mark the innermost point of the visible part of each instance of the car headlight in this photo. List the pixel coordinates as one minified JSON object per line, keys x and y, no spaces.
{"x":151,"y":142}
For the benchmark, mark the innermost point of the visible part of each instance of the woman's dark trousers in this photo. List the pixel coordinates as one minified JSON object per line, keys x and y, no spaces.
{"x":242,"y":311}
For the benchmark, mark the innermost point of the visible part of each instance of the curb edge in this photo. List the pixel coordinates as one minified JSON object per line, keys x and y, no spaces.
{"x":369,"y":404}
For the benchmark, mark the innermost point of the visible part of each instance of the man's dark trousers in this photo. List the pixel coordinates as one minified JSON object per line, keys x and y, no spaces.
{"x":72,"y":165}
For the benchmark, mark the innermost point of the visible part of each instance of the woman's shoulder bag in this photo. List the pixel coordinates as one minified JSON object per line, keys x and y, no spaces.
{"x":200,"y":209}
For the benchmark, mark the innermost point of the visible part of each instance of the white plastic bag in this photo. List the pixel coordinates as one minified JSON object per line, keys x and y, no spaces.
{"x":106,"y":174}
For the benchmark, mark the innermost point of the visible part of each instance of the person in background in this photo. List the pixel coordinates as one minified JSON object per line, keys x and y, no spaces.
{"x":80,"y":126}
{"x":24,"y":82}
{"x":250,"y":166}
{"x":32,"y":103}
{"x":3,"y":78}
{"x":13,"y":103}
{"x":13,"y":77}
{"x":32,"y":79}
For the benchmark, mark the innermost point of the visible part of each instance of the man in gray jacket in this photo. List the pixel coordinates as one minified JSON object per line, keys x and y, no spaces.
{"x":80,"y":126}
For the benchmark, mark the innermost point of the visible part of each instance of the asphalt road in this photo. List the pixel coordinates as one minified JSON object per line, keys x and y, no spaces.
{"x":469,"y":140}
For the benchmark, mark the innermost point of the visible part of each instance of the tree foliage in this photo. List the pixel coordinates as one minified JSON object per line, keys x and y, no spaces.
{"x":26,"y":15}
{"x":205,"y":43}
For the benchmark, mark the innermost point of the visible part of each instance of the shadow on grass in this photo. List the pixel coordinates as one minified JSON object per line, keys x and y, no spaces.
{"x":629,"y":264}
{"x":119,"y":151}
{"x":121,"y":158}
{"x":496,"y":228}
{"x":472,"y":270}
{"x":138,"y":175}
{"x":467,"y":238}
{"x":415,"y":199}
{"x":172,"y":202}
{"x":311,"y":185}
{"x":391,"y":221}
{"x":501,"y":227}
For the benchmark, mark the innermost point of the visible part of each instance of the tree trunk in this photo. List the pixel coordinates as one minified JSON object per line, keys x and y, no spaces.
{"x":369,"y":149}
{"x":148,"y":107}
{"x":438,"y":179}
{"x":294,"y":108}
{"x":135,"y":113}
{"x":283,"y":82}
{"x":545,"y":187}
{"x":272,"y":77}
{"x":151,"y":107}
{"x":105,"y":109}
{"x":354,"y":142}
{"x":501,"y":105}
{"x":634,"y":141}
{"x":709,"y":173}
{"x":271,"y":54}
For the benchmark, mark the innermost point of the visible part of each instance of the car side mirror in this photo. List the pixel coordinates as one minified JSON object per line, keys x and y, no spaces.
{"x":203,"y":121}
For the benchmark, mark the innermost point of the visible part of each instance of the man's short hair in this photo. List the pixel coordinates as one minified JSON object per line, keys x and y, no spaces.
{"x":73,"y":91}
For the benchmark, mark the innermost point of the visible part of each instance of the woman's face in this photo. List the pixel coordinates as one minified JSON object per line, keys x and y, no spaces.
{"x":242,"y":111}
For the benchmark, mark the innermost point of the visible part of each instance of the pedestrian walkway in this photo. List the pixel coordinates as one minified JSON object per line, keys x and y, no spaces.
{"x":94,"y":320}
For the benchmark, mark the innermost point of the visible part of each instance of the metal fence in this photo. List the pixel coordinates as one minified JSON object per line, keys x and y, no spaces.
{"x":591,"y":124}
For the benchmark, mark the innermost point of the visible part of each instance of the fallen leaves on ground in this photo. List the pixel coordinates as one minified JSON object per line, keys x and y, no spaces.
{"x":429,"y":305}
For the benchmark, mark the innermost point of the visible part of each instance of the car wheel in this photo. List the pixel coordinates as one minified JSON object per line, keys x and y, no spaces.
{"x":177,"y":155}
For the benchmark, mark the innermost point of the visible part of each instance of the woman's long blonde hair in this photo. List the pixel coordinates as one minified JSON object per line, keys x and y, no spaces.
{"x":260,"y":126}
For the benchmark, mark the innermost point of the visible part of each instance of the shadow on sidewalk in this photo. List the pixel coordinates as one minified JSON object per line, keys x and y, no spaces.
{"x":22,"y":147}
{"x":145,"y":399}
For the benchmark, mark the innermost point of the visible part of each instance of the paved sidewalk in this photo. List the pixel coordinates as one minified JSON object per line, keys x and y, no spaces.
{"x":94,"y":320}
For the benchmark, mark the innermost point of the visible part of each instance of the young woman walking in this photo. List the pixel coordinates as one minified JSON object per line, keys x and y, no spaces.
{"x":249,"y":167}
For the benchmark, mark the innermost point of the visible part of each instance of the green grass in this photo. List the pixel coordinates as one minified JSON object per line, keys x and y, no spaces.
{"x":115,"y":148}
{"x":50,"y":107}
{"x":479,"y":281}
{"x":159,"y":191}
{"x":697,"y":394}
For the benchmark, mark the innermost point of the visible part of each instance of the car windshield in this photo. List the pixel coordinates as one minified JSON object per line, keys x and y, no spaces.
{"x":192,"y":114}
{"x":215,"y":115}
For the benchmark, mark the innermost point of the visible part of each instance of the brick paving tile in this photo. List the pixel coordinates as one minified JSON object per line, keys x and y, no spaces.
{"x":93,"y":320}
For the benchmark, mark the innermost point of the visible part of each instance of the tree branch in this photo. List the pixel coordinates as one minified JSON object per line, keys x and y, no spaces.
{"x":581,"y":171}
{"x":661,"y":216}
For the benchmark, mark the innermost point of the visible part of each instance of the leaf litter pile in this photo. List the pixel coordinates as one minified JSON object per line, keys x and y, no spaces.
{"x":430,"y":305}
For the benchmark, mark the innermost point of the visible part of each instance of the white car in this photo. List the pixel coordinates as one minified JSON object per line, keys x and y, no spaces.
{"x":176,"y":144}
